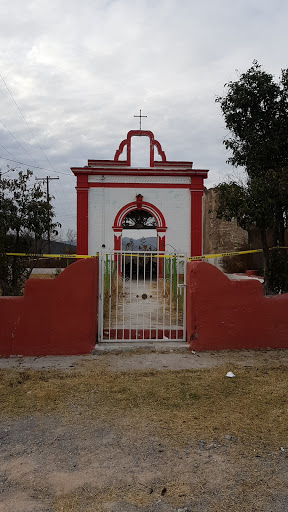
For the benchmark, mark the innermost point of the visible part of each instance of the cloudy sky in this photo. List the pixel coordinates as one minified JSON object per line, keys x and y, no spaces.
{"x":79,"y":72}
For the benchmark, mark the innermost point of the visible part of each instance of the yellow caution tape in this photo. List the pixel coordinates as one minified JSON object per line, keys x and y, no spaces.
{"x":221,"y":255}
{"x":34,"y":255}
{"x":191,"y":258}
{"x":234,"y":253}
{"x":148,"y":254}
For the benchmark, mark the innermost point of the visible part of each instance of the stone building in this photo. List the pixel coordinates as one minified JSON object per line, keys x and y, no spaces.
{"x":219,"y":235}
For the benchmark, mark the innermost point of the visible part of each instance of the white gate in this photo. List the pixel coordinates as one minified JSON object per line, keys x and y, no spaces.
{"x":142,"y":296}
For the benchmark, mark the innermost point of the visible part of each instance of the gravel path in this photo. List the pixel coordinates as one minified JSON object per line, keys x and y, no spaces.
{"x":173,"y":356}
{"x":73,"y":463}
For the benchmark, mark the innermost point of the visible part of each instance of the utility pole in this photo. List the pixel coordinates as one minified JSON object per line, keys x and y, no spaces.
{"x":47,"y":179}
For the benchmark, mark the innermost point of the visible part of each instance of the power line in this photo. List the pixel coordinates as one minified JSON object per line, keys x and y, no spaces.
{"x":61,"y":204}
{"x":30,"y":165}
{"x":41,"y":149}
{"x":22,"y":115}
{"x":7,"y":151}
{"x":47,"y":179}
{"x":12,"y":135}
{"x":59,"y":214}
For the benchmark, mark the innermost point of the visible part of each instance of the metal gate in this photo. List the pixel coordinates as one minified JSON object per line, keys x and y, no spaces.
{"x":142,"y":296}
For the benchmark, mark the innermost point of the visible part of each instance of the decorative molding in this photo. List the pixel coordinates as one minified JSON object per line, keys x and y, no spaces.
{"x":140,"y":133}
{"x":177,"y":180}
{"x":136,"y":205}
{"x":148,"y":207}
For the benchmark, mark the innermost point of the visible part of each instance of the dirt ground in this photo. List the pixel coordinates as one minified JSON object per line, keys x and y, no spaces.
{"x":145,"y":431}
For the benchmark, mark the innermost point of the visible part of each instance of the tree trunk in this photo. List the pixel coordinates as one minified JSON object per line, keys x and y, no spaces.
{"x":266,"y":260}
{"x":279,"y":230}
{"x":15,"y":274}
{"x":275,"y":235}
{"x":282,"y":231}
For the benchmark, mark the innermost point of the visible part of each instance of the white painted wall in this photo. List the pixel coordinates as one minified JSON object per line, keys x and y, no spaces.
{"x":105,"y":203}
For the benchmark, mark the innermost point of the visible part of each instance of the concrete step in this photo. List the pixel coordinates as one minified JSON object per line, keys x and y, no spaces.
{"x":143,"y":346}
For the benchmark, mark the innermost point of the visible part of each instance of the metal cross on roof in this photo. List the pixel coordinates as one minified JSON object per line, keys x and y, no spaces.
{"x":140,"y":118}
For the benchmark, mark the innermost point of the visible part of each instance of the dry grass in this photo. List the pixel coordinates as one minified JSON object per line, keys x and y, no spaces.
{"x":253,"y":407}
{"x":89,"y":500}
{"x":180,"y":408}
{"x":116,"y":284}
{"x":42,"y":276}
{"x":92,"y":500}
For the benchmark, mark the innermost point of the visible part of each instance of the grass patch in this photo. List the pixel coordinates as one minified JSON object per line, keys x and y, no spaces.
{"x":252,"y":407}
{"x":91,"y":500}
{"x":169,"y":416}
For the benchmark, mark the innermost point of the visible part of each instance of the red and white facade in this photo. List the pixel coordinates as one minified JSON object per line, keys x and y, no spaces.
{"x":107,"y":190}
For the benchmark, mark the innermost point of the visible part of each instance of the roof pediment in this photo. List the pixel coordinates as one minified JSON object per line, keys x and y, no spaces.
{"x":123,"y":166}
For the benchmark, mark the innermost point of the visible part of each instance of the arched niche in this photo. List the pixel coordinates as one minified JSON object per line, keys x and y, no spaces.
{"x":152,"y":213}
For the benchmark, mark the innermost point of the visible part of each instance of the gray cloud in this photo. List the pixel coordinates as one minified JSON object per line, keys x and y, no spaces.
{"x":80,"y":71}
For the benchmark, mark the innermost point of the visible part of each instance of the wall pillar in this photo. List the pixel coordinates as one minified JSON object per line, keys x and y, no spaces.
{"x":161,"y":247}
{"x":82,"y":214}
{"x":196,"y":222}
{"x":117,"y":239}
{"x":161,"y":240}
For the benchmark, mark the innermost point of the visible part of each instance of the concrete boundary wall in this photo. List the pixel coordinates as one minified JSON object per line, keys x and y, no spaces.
{"x":54,"y":317}
{"x":59,"y":316}
{"x":224,"y":314}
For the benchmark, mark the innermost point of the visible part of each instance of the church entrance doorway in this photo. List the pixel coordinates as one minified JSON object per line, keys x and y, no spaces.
{"x":140,"y":234}
{"x":139,"y":217}
{"x":142,"y":296}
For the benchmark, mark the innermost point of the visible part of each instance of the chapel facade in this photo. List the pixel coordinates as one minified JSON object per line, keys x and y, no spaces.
{"x":112,"y":195}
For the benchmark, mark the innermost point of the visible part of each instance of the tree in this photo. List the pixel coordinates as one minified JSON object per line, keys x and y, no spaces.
{"x":255,"y":111}
{"x":25,"y":216}
{"x":71,"y":236}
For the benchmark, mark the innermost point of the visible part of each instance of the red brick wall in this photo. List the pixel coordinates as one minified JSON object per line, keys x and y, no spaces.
{"x":57,"y":316}
{"x":224,"y":314}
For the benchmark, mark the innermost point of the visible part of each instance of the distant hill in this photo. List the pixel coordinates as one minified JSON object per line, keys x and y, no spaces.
{"x":55,"y":248}
{"x":62,"y":247}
